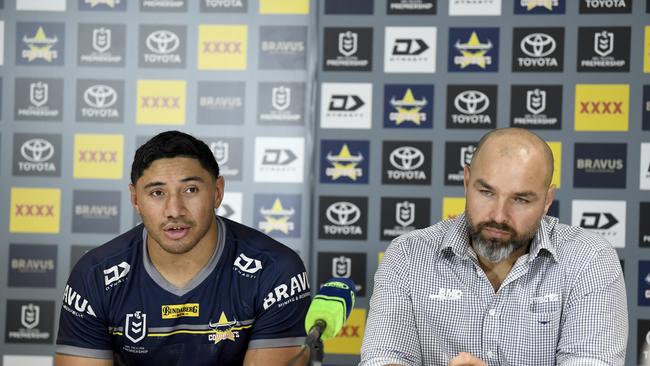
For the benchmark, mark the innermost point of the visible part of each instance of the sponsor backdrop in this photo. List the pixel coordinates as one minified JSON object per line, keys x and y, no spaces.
{"x":338,"y":125}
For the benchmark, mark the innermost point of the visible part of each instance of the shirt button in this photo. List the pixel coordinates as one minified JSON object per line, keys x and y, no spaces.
{"x":492,"y":312}
{"x":490,"y":354}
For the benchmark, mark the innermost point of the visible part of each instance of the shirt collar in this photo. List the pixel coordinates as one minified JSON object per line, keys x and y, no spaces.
{"x":457,"y":238}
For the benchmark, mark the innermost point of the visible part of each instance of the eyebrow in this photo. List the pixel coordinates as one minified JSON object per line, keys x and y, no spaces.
{"x":484,"y":184}
{"x":195,"y":178}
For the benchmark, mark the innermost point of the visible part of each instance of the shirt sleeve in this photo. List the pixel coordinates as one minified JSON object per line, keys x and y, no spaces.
{"x":595,"y":323}
{"x":390,"y":335}
{"x":284,"y":300}
{"x":82,"y":330}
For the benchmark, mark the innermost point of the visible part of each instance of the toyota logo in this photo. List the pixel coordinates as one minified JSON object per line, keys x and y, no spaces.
{"x":37,"y":150}
{"x":163,"y":42}
{"x":538,"y":45}
{"x":406,"y":158}
{"x":343,"y":213}
{"x":100,"y":96}
{"x":471,"y":102}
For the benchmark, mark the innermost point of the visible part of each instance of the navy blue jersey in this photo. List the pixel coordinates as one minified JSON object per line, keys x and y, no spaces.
{"x":253,"y":293}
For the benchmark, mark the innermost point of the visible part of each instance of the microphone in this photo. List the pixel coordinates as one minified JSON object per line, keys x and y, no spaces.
{"x":329,"y":309}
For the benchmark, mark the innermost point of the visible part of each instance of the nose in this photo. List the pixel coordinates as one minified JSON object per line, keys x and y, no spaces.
{"x":174,"y":206}
{"x":499,"y":213}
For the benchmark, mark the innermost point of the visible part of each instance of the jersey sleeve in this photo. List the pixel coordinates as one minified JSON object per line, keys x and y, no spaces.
{"x":82,"y":329}
{"x":284,"y":297}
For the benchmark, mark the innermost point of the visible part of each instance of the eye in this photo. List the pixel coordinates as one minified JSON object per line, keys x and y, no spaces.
{"x":156,"y":193}
{"x":191,"y":189}
{"x":485,"y":192}
{"x":521,"y":200}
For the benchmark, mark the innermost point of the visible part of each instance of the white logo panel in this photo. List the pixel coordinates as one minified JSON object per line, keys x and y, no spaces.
{"x":473,"y":7}
{"x":346,"y":105}
{"x":605,"y":218}
{"x":410,"y":49}
{"x":231,"y":206}
{"x":644,"y":183}
{"x":279,"y":159}
{"x":40,"y":5}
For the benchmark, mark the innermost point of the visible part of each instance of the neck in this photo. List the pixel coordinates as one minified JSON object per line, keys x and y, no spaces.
{"x":497,"y":272}
{"x":180,"y":269}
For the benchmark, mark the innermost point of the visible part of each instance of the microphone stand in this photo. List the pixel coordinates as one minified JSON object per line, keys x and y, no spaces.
{"x":316,"y":351}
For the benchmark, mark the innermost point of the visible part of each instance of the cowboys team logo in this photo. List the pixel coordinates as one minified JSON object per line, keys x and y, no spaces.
{"x":344,"y":161}
{"x":278,"y":215}
{"x":540,"y":6}
{"x":135,"y":328}
{"x":473,"y":49}
{"x":39,"y":43}
{"x":408,"y":106}
{"x":604,"y":49}
{"x":102,"y":5}
{"x":223,"y":330}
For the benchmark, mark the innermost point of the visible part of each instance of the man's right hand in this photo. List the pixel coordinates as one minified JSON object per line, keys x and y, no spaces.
{"x":466,"y":359}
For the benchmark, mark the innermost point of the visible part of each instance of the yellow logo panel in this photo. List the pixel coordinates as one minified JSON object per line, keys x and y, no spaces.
{"x":380,"y":257}
{"x":98,"y":156}
{"x":161,"y":102}
{"x":179,"y":311}
{"x":35,"y":210}
{"x":452,"y":207}
{"x":602,"y":107}
{"x":348,"y":340}
{"x":222,"y":47}
{"x":556,"y":149}
{"x":284,"y":6}
{"x":646,"y":51}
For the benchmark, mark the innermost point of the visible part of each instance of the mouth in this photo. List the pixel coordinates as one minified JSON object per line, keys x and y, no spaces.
{"x":496,"y":232}
{"x":176,"y":231}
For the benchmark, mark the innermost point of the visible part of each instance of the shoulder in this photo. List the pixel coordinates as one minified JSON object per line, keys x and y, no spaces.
{"x":428,"y":240}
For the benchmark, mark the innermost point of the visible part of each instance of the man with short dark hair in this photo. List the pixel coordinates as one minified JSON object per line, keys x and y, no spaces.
{"x":186,"y":287}
{"x":502,"y":284}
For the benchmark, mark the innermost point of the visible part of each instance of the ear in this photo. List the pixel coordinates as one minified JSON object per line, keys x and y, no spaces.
{"x":466,"y":177}
{"x":550,"y":195}
{"x":134,"y":198}
{"x":219,"y":191}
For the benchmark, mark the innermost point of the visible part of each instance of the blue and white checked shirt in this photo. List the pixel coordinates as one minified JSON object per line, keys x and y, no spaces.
{"x":562,"y":303}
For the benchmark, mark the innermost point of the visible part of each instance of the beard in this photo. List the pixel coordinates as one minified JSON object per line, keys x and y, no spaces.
{"x":496,"y":250}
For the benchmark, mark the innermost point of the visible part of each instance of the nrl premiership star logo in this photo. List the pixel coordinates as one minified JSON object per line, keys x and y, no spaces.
{"x":40,"y":46}
{"x":345,"y":164}
{"x":473,"y":52}
{"x":408,"y":109}
{"x":277,"y":218}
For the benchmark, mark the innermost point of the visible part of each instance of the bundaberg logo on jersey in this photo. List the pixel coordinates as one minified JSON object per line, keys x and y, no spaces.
{"x":190,"y":310}
{"x":408,"y":106}
{"x":344,"y":161}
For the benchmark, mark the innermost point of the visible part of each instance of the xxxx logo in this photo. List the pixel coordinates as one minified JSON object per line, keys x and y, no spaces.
{"x":34,"y":210}
{"x":98,"y":156}
{"x":221,"y":47}
{"x":349,"y":331}
{"x":601,"y":107}
{"x":160,"y":102}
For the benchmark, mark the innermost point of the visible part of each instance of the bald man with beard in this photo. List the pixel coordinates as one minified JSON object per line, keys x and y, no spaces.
{"x":502,"y":284}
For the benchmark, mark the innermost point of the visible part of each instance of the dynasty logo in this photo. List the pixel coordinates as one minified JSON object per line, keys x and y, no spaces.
{"x":343,"y":218}
{"x":279,"y":160}
{"x":605,"y":218}
{"x":471,"y":106}
{"x":347,"y":49}
{"x":406,"y":162}
{"x":536,"y":106}
{"x":473,"y":49}
{"x":340,"y":165}
{"x":410,"y":49}
{"x":537,"y":49}
{"x":346,"y":105}
{"x":39,"y":43}
{"x":404,"y":109}
{"x":604,"y":49}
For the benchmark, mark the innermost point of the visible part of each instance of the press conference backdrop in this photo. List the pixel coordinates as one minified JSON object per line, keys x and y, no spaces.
{"x":354,"y":119}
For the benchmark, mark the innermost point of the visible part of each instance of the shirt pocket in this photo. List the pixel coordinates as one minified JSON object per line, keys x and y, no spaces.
{"x":541,"y":323}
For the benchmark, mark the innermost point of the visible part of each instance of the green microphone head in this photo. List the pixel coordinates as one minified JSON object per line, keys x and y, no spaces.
{"x":332,"y":305}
